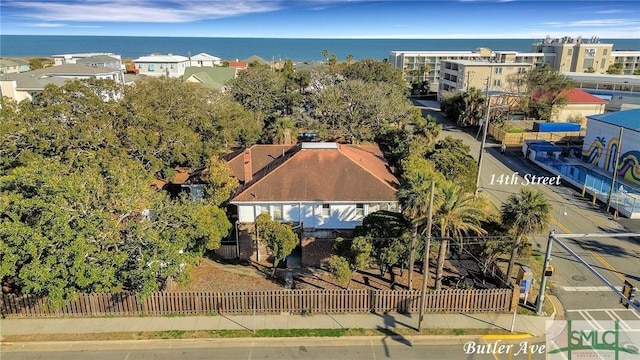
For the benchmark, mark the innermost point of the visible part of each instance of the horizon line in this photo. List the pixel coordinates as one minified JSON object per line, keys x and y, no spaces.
{"x":331,"y":38}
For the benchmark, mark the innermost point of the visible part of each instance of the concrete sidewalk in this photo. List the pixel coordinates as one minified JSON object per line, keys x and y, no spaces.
{"x":532,"y":325}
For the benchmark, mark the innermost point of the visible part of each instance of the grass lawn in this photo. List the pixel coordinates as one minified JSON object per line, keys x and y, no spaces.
{"x":181,"y":334}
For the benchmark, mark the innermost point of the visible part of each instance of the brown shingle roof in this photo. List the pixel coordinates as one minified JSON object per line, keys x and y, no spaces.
{"x":261,"y":156}
{"x":348,"y":173}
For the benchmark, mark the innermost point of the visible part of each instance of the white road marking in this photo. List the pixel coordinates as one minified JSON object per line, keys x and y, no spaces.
{"x":588,"y":288}
{"x":622,"y":323}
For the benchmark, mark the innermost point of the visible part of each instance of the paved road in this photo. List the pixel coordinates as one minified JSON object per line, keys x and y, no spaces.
{"x":388,"y":348}
{"x":575,"y":286}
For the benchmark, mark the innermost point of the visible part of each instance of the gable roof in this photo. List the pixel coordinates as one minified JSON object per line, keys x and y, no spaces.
{"x":212,"y":77}
{"x":579,"y":96}
{"x":323,"y":173}
{"x":257,"y":58}
{"x":57,"y":75}
{"x":205,"y":56}
{"x":158,"y":58}
{"x":97,"y":59}
{"x":8,"y":62}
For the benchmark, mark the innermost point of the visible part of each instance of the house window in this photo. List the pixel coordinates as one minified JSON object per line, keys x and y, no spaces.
{"x":359,"y":210}
{"x":139,"y":66}
{"x":161,"y":66}
{"x":569,"y":52}
{"x":373,"y":207}
{"x":173,"y":66}
{"x":152,"y":67}
{"x":496,"y":82}
{"x":262,"y":209}
{"x":498,"y":70}
{"x":326,"y":210}
{"x":277,"y":212}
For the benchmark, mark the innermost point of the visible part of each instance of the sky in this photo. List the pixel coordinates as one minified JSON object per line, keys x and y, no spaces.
{"x":418,"y":19}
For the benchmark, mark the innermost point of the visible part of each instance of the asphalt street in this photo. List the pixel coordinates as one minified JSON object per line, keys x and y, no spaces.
{"x":321,"y":349}
{"x":576,"y":287}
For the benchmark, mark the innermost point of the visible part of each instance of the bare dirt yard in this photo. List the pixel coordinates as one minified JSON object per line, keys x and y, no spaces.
{"x":220,"y":275}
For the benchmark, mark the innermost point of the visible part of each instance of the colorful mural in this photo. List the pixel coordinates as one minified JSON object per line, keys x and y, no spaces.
{"x":592,"y":155}
{"x":628,"y":164}
{"x":629,"y":167}
{"x":612,"y":151}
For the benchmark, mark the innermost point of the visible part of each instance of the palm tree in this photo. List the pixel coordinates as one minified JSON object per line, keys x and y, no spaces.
{"x":413,"y":195}
{"x":457,"y":214}
{"x":278,"y":128}
{"x":426,"y":69}
{"x":524,"y":213}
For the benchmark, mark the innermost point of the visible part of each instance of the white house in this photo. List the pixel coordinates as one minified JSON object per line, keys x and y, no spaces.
{"x":319,"y":186}
{"x":24,"y":86}
{"x":62,"y":59}
{"x":204,"y":60}
{"x":162,"y":65}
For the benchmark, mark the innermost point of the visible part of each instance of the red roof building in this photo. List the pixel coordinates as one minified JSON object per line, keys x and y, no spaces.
{"x":320,"y":185}
{"x":580,"y":104}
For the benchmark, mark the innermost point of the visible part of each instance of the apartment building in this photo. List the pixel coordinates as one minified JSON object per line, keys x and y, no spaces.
{"x":630,"y":61}
{"x":563,"y":54}
{"x":461,"y":75}
{"x":576,"y":55}
{"x":413,"y":63}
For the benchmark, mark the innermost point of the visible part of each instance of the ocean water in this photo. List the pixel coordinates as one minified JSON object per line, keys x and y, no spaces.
{"x":266,"y":48}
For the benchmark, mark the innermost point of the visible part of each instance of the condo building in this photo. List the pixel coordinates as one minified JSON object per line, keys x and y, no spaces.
{"x":461,"y":75}
{"x":563,"y":54}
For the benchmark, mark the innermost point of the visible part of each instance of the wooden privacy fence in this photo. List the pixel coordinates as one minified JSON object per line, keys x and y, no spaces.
{"x":511,"y":139}
{"x":263,"y":302}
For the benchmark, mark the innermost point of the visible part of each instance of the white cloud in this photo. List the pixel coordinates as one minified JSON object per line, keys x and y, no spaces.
{"x":60,"y":25}
{"x":139,"y":11}
{"x":599,"y":22}
{"x":611,"y":11}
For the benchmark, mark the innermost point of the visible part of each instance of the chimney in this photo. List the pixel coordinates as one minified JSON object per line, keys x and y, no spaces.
{"x":248,"y":167}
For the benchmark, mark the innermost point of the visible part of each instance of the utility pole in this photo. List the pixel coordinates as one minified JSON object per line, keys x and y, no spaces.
{"x":556,"y":237}
{"x":615,"y":169}
{"x":485,"y":125}
{"x":425,"y":279}
{"x":543,"y":280}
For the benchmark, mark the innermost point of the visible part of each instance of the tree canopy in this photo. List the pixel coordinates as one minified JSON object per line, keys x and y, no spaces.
{"x":77,"y":209}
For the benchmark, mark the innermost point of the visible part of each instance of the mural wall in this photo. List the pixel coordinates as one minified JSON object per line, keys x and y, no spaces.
{"x":602,"y":143}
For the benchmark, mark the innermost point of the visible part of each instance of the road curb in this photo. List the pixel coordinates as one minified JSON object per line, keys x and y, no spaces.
{"x":409,"y":340}
{"x":507,"y":336}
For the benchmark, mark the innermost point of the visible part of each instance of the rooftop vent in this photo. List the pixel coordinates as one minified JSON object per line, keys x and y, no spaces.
{"x":320,"y":145}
